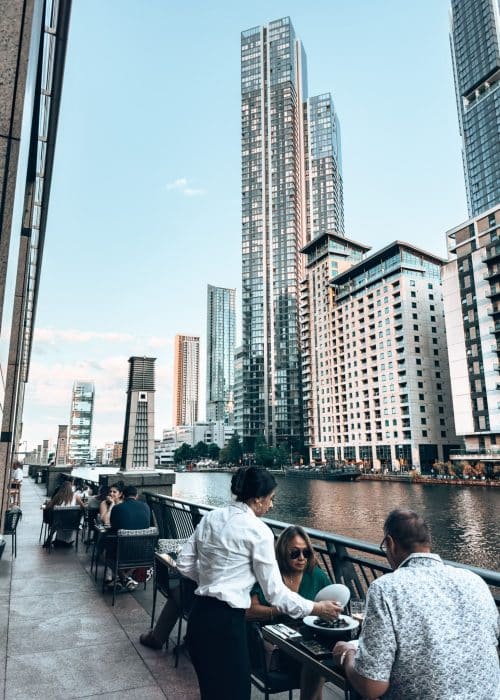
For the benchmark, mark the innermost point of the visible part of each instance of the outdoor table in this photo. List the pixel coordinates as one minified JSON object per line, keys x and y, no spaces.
{"x":323,"y":667}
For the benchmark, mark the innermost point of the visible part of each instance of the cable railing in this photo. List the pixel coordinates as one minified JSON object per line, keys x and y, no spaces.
{"x":352,"y":562}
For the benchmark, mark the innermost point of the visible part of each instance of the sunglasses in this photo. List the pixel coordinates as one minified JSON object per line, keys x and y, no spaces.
{"x":295,"y":553}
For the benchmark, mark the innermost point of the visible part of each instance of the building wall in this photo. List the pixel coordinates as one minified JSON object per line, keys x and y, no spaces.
{"x":138,"y":437}
{"x":221,"y":335}
{"x":80,"y":424}
{"x":186,"y":379}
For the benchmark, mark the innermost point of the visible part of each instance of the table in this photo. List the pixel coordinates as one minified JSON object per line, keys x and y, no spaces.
{"x":323,"y":667}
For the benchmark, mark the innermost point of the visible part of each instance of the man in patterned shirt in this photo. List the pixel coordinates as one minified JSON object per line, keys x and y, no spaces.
{"x":430,"y":630}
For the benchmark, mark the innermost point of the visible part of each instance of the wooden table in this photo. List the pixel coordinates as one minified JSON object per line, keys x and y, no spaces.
{"x":323,"y":667}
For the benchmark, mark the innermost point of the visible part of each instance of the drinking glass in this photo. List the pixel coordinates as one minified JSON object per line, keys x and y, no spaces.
{"x":358,"y":609}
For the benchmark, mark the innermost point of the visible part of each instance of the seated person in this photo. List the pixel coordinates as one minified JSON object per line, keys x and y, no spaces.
{"x":430,"y":630}
{"x":115,"y":496}
{"x":302,"y":574}
{"x":64,"y":497}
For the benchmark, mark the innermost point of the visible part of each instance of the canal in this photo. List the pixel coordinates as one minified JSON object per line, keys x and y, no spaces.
{"x":464,"y":521}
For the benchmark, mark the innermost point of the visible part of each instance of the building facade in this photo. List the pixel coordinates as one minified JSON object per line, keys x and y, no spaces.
{"x":139,"y":433}
{"x":32,"y":56}
{"x":291,"y":191}
{"x":80,"y":422}
{"x":221,"y":337}
{"x":475,"y":48}
{"x":387,"y":356}
{"x":62,"y":445}
{"x":186,"y":379}
{"x":211,"y":433}
{"x":471,"y":283}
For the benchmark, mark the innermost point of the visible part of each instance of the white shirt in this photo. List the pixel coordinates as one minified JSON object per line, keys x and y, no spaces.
{"x":17,"y":474}
{"x":232,"y":548}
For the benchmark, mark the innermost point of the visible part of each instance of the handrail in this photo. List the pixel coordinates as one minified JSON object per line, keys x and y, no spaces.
{"x":342,"y":557}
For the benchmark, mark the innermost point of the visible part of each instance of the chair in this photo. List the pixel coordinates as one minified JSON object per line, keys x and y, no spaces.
{"x":15,"y":493}
{"x":12,"y":519}
{"x":268,"y":682}
{"x":88,"y":533}
{"x":64,"y":518}
{"x":129,"y":550}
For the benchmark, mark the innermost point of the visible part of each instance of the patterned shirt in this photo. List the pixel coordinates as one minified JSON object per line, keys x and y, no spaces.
{"x":431,"y":630}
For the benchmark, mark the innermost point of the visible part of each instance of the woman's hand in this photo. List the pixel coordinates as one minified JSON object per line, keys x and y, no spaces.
{"x":327,"y":609}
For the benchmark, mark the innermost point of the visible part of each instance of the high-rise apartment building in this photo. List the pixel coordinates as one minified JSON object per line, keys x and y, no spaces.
{"x":139,"y":437}
{"x":186,"y":379}
{"x":380,"y":355}
{"x":471,"y":283}
{"x":80,"y":423}
{"x":221,"y":335}
{"x":291,"y":192}
{"x":475,"y":48}
{"x":32,"y":57}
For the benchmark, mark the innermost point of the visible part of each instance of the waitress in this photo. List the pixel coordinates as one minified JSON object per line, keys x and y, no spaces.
{"x":231,"y":549}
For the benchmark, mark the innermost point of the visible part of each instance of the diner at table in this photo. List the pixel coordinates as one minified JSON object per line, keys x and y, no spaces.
{"x":430,"y":630}
{"x":113,"y":498}
{"x":230,"y":550}
{"x":64,"y":497}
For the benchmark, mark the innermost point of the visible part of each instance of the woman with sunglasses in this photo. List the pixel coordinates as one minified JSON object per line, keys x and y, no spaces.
{"x":229,"y":551}
{"x":301,"y":573}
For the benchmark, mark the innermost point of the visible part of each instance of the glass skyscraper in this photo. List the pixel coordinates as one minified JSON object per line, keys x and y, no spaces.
{"x":221,"y":330}
{"x":80,"y":427}
{"x":475,"y":48}
{"x":291,"y":192}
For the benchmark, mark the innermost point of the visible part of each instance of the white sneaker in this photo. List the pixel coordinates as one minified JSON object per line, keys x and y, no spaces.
{"x":130,"y":583}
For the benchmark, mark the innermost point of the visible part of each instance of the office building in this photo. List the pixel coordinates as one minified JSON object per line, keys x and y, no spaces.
{"x":381,"y":356}
{"x":221,"y":333}
{"x":209,"y":432}
{"x":186,"y":379}
{"x":139,"y":436}
{"x":291,"y":192}
{"x":471,"y":284}
{"x":80,"y":423}
{"x":32,"y":57}
{"x":475,"y":48}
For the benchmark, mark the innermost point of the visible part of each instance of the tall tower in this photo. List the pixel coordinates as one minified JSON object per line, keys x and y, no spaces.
{"x":221,"y":331}
{"x":80,"y":424}
{"x":139,"y":437}
{"x":186,"y":379}
{"x":291,"y":192}
{"x":62,"y":445}
{"x":475,"y":49}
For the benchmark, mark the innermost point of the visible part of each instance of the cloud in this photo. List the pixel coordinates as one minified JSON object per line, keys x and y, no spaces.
{"x":181,"y":185}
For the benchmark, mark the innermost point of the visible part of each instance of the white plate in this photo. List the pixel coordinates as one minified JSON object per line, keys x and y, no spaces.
{"x":310,"y":621}
{"x":336,"y":592}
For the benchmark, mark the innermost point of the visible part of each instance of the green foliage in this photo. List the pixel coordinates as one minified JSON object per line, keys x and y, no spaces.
{"x":213,"y":451}
{"x":264,"y":455}
{"x":232,"y":453}
{"x":200,"y":450}
{"x":184,"y":453}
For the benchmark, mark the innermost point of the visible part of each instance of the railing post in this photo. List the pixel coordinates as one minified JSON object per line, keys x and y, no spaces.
{"x":343,"y":569}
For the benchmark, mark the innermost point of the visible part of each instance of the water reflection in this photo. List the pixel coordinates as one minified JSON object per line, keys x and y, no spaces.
{"x":465,"y":522}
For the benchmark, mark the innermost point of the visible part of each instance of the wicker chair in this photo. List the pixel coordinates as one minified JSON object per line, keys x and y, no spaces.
{"x":12,"y":519}
{"x":130,"y":549}
{"x":64,"y":518}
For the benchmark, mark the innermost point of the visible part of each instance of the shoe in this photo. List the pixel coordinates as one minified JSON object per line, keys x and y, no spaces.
{"x":149,"y":574}
{"x":148,"y":639}
{"x":130,"y":583}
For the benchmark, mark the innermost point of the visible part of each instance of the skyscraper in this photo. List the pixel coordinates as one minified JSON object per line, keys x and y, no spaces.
{"x":291,"y":192}
{"x":475,"y":48}
{"x":186,"y":379}
{"x":62,"y":445}
{"x":80,"y":424}
{"x":32,"y":57}
{"x":139,"y":437}
{"x":221,"y":331}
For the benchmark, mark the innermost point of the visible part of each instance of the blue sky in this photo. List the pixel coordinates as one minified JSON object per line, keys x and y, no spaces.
{"x":145,"y":205}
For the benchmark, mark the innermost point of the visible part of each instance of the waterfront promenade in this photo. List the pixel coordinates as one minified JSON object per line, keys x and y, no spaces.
{"x":60,"y":637}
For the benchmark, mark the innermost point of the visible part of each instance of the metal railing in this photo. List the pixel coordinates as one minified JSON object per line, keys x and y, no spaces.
{"x":346,"y":560}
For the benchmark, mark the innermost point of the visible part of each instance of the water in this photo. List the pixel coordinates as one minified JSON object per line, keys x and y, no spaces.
{"x":464,"y":521}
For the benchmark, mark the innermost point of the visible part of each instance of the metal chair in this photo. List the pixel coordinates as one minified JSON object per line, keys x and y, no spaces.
{"x":64,"y":518}
{"x":131,"y":549}
{"x":12,"y":519}
{"x":268,"y":682}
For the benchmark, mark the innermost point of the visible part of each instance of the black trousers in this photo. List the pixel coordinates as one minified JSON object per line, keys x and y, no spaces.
{"x":217,"y":643}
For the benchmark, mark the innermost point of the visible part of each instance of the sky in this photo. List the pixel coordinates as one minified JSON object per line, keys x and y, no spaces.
{"x":145,"y":200}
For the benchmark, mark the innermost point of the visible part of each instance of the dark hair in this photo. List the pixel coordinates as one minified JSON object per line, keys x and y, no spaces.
{"x":252,"y":482}
{"x":283,"y":543}
{"x":130,"y":491}
{"x":63,"y":496}
{"x":407,"y":528}
{"x":118,"y":486}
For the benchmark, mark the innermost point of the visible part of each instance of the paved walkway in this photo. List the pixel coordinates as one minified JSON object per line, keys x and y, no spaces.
{"x":60,"y":637}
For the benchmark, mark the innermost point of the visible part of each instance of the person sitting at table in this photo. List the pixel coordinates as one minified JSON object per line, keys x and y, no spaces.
{"x":300,"y":573}
{"x":65,"y":498}
{"x":430,"y":630}
{"x":115,"y":496}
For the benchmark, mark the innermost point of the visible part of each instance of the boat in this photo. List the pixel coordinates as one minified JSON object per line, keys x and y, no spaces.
{"x":326,"y":473}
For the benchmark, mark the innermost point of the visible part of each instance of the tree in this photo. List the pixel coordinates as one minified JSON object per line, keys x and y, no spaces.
{"x":281,"y":456}
{"x":233,"y":452}
{"x":264,"y":455}
{"x":213,"y":451}
{"x":200,"y":450}
{"x":184,"y":453}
